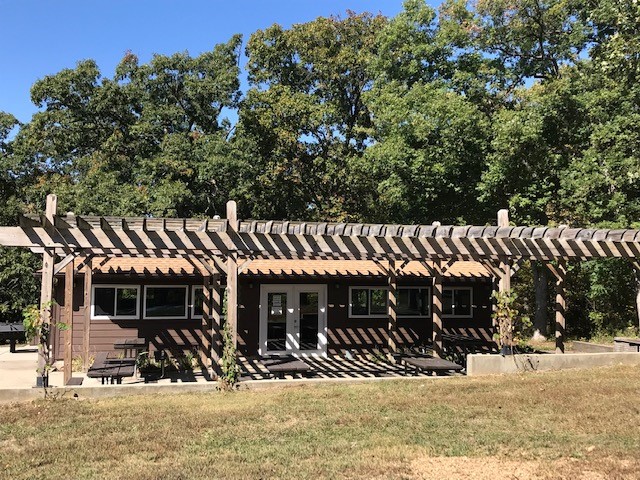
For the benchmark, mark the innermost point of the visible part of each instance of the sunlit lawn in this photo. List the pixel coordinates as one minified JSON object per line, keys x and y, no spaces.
{"x":555,"y":425}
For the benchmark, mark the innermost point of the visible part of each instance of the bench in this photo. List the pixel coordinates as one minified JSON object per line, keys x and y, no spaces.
{"x":278,"y":367}
{"x":13,"y":332}
{"x":429,"y":364}
{"x":109,"y":368}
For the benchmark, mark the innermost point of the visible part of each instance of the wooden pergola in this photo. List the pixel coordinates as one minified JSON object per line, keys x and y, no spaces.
{"x":218,"y":247}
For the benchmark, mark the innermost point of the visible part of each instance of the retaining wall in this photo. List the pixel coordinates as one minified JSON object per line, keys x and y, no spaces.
{"x":492,"y":364}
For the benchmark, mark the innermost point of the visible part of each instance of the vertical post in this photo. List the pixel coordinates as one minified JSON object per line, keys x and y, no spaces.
{"x":438,"y":348}
{"x":88,"y":272}
{"x":46,"y":295}
{"x":560,"y":307}
{"x":216,"y":316}
{"x":505,"y":264}
{"x":393,"y":311}
{"x":205,"y":331}
{"x":232,"y":274}
{"x":68,"y":310}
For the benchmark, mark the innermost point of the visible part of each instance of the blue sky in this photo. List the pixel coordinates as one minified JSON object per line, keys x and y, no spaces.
{"x":42,"y":37}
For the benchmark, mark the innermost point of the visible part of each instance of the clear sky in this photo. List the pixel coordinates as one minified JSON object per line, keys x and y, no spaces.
{"x":42,"y":37}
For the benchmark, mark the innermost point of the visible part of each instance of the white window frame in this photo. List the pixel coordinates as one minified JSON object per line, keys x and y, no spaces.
{"x":429,"y":299}
{"x":369,"y":315}
{"x":453,"y":315}
{"x":172,"y":317}
{"x":115,"y":299}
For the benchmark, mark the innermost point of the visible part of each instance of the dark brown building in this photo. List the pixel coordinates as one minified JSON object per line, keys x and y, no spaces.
{"x":300,"y":307}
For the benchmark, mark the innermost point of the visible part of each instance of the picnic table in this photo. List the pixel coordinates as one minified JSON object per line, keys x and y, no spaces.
{"x":429,"y":364}
{"x":109,"y":367}
{"x":131,"y":346}
{"x":13,"y":332}
{"x":287,"y":364}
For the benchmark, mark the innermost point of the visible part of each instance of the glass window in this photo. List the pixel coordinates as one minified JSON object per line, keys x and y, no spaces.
{"x":126,"y":301}
{"x":413,"y":302}
{"x":457,"y":301}
{"x":165,"y":302}
{"x":368,"y":302}
{"x":359,"y":301}
{"x":378,"y":301}
{"x":447,"y":301}
{"x":198,"y":301}
{"x":104,"y":301}
{"x":115,"y":301}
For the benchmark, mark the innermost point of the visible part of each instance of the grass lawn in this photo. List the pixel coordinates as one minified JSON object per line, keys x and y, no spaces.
{"x":572,"y":424}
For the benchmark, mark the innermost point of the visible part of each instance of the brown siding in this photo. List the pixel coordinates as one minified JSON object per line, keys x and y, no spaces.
{"x":343,"y":332}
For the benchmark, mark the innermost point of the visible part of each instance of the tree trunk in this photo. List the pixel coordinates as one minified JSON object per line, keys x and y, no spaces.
{"x":542,"y":300}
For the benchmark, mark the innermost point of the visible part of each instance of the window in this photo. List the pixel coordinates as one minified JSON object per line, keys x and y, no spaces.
{"x":165,"y":302}
{"x":456,"y":302}
{"x":197,"y":299}
{"x":367,"y":302}
{"x":115,"y":302}
{"x":414,"y":302}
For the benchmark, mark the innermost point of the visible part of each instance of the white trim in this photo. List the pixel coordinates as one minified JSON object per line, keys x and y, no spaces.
{"x":453,"y":315}
{"x":292,"y":341}
{"x":115,"y":302}
{"x":429,"y":299}
{"x":369,"y":315}
{"x":171,"y":317}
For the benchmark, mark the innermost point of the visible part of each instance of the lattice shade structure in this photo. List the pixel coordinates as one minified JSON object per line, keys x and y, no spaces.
{"x":275,"y":239}
{"x":217,"y":247}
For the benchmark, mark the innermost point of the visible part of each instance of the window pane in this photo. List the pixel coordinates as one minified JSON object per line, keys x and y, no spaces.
{"x":276,"y":322}
{"x":447,"y":301}
{"x":127,"y":301}
{"x":166,"y":302}
{"x":359,"y":302}
{"x":198,"y":300}
{"x":378,"y":301}
{"x":463,"y":302}
{"x":409,"y":302}
{"x":425,"y":302}
{"x":104,"y":301}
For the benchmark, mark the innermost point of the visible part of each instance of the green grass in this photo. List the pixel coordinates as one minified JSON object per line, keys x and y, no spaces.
{"x":550,"y":423}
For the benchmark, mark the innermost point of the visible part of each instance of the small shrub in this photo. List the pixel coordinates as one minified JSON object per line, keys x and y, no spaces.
{"x":508,"y":321}
{"x":230,"y":370}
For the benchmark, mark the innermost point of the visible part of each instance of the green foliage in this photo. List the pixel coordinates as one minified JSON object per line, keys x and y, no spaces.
{"x":230,"y":370}
{"x":512,"y":327}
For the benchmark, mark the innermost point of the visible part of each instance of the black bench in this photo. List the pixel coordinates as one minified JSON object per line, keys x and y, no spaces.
{"x":109,"y":368}
{"x":13,"y":332}
{"x":278,"y":367}
{"x":429,"y":364}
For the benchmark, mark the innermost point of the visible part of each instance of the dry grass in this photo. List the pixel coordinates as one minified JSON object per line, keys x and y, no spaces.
{"x":580,"y":424}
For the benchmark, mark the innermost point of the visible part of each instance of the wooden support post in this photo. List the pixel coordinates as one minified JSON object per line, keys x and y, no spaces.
{"x":86,"y":339}
{"x":438,"y":347}
{"x":206,"y":327}
{"x":68,"y":313}
{"x":216,"y":317}
{"x":560,"y":306}
{"x":232,"y":275}
{"x":393,"y":310}
{"x":504,"y":285}
{"x":636,"y":269}
{"x":46,"y":296}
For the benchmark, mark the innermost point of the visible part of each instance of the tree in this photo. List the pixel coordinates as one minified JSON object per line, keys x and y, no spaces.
{"x":305,"y":113}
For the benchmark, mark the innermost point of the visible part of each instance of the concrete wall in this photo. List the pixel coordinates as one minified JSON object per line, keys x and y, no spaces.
{"x":587,"y":347}
{"x":483,"y":364}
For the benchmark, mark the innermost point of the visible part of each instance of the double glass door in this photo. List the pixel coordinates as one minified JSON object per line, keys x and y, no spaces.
{"x":293,"y":319}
